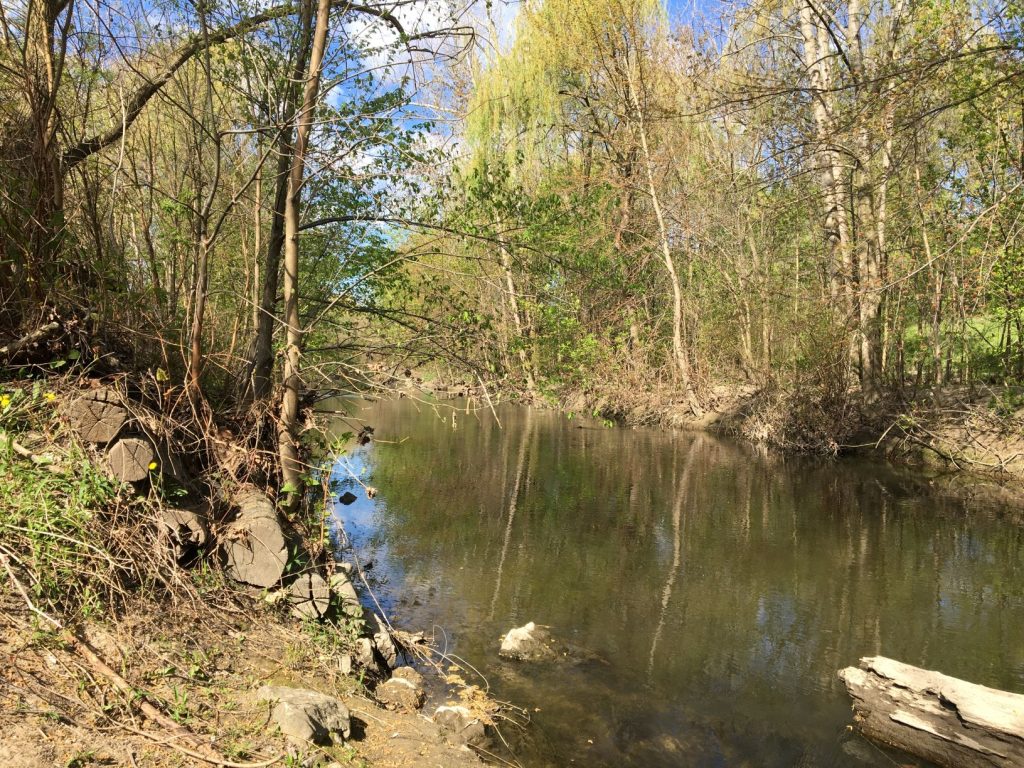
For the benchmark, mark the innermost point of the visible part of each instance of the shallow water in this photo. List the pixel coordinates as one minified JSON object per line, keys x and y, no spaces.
{"x":719,"y":588}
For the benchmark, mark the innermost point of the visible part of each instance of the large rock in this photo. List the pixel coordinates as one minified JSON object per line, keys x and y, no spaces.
{"x":527,"y":643}
{"x":461,"y":727}
{"x":307,"y":717}
{"x":404,"y":691}
{"x":342,"y":586}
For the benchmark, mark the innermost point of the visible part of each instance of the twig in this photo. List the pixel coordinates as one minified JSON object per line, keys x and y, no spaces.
{"x":28,"y":601}
{"x":189,"y":753}
{"x":18,"y":448}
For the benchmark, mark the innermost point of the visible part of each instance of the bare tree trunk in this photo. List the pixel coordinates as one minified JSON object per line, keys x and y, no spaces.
{"x":869,"y":277}
{"x":678,"y":348}
{"x":835,"y":223}
{"x":513,"y":308}
{"x":263,"y":353}
{"x":288,"y":439}
{"x":202,"y":276}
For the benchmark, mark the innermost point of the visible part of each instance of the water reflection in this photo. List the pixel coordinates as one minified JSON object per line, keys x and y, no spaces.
{"x":719,"y":588}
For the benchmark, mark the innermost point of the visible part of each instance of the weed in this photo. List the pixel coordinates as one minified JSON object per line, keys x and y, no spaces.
{"x":178,"y":707}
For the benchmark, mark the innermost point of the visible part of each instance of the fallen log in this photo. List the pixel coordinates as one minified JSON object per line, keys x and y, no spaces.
{"x":186,"y":529}
{"x":33,"y":339}
{"x":131,"y":459}
{"x":97,"y":416}
{"x":947,"y":721}
{"x":254,"y":544}
{"x":310,"y":596}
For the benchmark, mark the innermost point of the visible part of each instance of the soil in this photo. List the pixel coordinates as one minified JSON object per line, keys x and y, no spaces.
{"x":201,"y":664}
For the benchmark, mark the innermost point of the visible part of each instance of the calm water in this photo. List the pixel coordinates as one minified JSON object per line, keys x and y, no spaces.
{"x":719,"y":588}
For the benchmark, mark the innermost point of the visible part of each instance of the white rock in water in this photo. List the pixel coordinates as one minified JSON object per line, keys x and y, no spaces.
{"x":527,"y":643}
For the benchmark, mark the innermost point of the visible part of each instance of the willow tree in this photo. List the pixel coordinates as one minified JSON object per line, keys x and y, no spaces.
{"x":583,"y":89}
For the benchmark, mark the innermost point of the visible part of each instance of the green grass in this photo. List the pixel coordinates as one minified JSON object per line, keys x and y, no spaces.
{"x":54,"y":541}
{"x":977,"y":340}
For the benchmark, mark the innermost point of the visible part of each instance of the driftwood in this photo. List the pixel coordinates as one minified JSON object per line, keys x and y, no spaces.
{"x":97,"y":416}
{"x":129,"y":459}
{"x":254,"y":544}
{"x":947,"y":721}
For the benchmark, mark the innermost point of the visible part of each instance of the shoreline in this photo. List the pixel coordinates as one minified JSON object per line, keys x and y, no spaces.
{"x":157,"y":653}
{"x":953,"y":440}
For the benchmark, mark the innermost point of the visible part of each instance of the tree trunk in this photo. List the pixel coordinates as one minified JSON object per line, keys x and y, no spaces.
{"x":255,"y":547}
{"x":35,"y":191}
{"x":678,"y":349}
{"x":288,"y":439}
{"x":263,"y":354}
{"x":513,"y":309}
{"x":944,"y":720}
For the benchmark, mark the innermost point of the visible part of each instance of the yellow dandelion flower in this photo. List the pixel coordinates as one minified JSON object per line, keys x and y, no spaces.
{"x":5,"y":401}
{"x":152,"y":465}
{"x":49,"y":397}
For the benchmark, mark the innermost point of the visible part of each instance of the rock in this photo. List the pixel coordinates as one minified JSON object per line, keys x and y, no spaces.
{"x":461,"y":727}
{"x":527,"y":643}
{"x":403,"y":691}
{"x":307,"y":716}
{"x":366,"y":655}
{"x":347,"y":498}
{"x":382,"y":639}
{"x":342,"y":586}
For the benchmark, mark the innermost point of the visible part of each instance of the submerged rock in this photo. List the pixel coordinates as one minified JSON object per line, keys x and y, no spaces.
{"x":527,"y":643}
{"x":403,"y":691}
{"x":307,"y":716}
{"x":461,"y":727}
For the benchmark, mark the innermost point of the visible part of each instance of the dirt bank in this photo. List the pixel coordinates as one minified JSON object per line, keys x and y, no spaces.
{"x":132,"y":637}
{"x":966,"y":442}
{"x":201,"y":663}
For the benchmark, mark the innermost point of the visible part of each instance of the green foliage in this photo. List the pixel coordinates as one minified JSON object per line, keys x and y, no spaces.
{"x":51,"y":523}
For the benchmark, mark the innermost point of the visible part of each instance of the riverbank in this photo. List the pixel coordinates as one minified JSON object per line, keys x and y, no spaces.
{"x":202,"y":663}
{"x":968,"y":440}
{"x":129,"y":639}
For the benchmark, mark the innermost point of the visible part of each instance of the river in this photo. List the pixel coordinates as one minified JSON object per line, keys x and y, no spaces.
{"x":717,"y":588}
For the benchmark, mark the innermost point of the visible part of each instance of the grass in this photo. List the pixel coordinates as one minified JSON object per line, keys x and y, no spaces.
{"x":73,"y":544}
{"x":50,"y":520}
{"x":978,"y":341}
